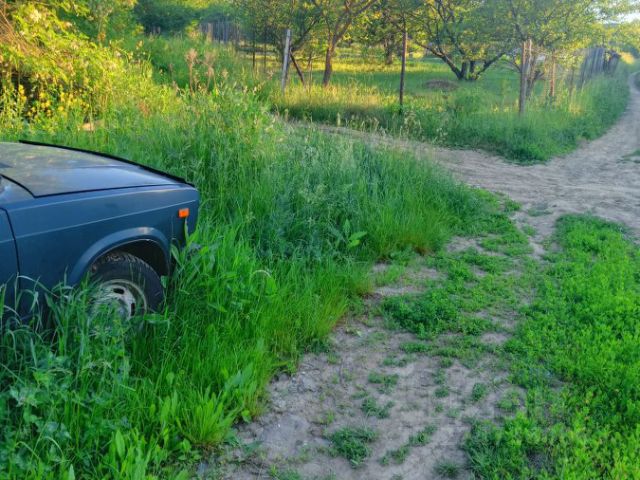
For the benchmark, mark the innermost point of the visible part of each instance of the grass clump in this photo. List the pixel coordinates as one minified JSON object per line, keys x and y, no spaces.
{"x":371,"y":408}
{"x":428,"y":315}
{"x":478,"y":392}
{"x":386,"y":383}
{"x":442,"y":392}
{"x":288,"y":474}
{"x":353,"y":443}
{"x":447,"y":469}
{"x":415,"y":347}
{"x":399,"y":455}
{"x":510,"y":401}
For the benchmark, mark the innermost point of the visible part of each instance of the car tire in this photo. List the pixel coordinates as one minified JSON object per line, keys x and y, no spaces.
{"x":126,"y":283}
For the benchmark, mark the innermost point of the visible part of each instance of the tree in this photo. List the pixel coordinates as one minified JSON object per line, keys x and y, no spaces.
{"x":553,"y":26}
{"x":624,"y":35}
{"x":108,"y":15}
{"x":337,"y":17}
{"x":401,"y":14}
{"x":168,"y":16}
{"x":378,"y":29}
{"x":464,"y":34}
{"x":270,"y":19}
{"x":543,"y":27}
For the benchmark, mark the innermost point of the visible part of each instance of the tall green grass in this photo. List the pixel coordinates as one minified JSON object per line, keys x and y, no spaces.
{"x":481,"y":115}
{"x":289,"y":223}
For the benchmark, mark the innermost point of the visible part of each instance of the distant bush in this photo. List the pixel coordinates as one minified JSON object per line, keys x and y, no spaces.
{"x":174,"y":16}
{"x":46,"y":63}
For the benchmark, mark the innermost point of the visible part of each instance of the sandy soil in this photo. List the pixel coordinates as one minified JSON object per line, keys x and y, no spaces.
{"x":290,"y":441}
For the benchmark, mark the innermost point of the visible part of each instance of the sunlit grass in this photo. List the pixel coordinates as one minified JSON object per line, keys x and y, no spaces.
{"x":440,"y":109}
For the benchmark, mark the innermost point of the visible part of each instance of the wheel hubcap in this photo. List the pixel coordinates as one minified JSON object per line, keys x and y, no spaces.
{"x":122,"y":296}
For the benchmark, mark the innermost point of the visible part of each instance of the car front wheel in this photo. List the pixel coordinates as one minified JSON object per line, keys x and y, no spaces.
{"x":125,"y":284}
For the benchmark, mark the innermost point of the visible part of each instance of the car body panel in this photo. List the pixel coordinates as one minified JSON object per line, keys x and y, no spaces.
{"x":53,"y":234}
{"x":11,"y":192}
{"x":63,"y":235}
{"x":43,"y":170}
{"x":8,"y":257}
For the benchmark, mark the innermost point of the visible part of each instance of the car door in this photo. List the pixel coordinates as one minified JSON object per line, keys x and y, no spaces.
{"x":8,"y":260}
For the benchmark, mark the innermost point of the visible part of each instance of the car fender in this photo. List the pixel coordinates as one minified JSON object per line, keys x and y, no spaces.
{"x":114,"y":241}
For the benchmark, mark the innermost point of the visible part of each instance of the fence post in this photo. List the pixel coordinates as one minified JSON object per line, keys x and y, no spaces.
{"x":404,"y":64}
{"x":285,"y":60}
{"x":524,"y":72}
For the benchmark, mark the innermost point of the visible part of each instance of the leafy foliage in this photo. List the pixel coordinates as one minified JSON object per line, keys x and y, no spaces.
{"x":50,"y":62}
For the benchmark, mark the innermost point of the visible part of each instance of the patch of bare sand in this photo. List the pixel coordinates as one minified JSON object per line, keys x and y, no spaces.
{"x":327,"y":393}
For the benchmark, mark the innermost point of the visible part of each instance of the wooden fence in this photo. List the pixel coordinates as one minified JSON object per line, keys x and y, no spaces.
{"x":598,"y":60}
{"x":222,"y":31}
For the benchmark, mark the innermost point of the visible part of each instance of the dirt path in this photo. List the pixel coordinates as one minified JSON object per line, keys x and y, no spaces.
{"x":422,"y":404}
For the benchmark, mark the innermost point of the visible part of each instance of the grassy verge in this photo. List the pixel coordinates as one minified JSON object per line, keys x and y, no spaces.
{"x":577,"y":354}
{"x":290,"y":221}
{"x":470,"y":115}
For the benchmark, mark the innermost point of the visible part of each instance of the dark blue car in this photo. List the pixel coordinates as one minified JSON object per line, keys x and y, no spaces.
{"x":68,"y":213}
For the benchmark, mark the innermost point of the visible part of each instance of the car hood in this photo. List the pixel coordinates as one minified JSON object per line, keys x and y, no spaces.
{"x":46,"y":170}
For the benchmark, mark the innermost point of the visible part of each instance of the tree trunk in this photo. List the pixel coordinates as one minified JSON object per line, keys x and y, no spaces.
{"x":328,"y":64}
{"x":524,"y":71}
{"x":388,"y":52}
{"x":464,"y":70}
{"x":472,"y":71}
{"x":253,"y":51}
{"x":404,"y":64}
{"x":297,"y":67}
{"x":264,"y":51}
{"x":285,"y":60}
{"x":552,"y":78}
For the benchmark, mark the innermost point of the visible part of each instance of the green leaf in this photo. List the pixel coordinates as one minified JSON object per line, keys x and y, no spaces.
{"x":355,"y":239}
{"x":119,"y":442}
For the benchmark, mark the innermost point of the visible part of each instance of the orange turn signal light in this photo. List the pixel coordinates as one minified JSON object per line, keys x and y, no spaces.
{"x":183,"y":213}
